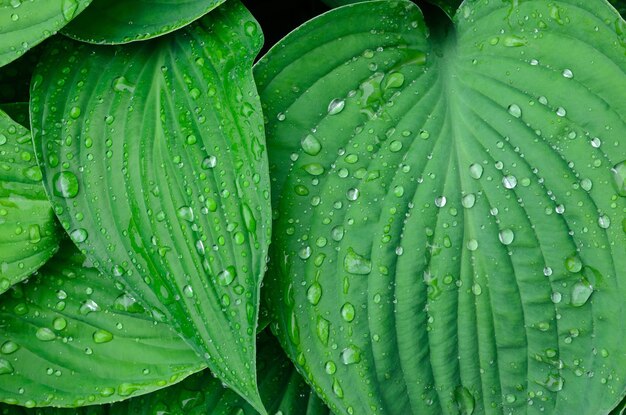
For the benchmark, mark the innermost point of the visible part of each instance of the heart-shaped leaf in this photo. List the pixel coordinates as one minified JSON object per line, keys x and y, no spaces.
{"x":28,"y":230}
{"x":72,"y":337}
{"x":115,"y":22}
{"x":450,"y":229}
{"x":282,"y":389}
{"x":25,"y":23}
{"x":154,"y":156}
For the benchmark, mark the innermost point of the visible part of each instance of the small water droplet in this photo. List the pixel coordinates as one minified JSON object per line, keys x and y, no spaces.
{"x":395,"y":80}
{"x":314,"y":293}
{"x":476,"y":171}
{"x":604,"y":222}
{"x":185,"y":213}
{"x":352,"y":194}
{"x":515,"y":110}
{"x":356,"y":264}
{"x":69,"y":8}
{"x":102,"y":336}
{"x":554,"y":383}
{"x":561,"y":112}
{"x":514,"y":41}
{"x":79,"y":235}
{"x":227,"y":276}
{"x":581,"y":292}
{"x":472,"y":244}
{"x":506,"y":236}
{"x":45,"y":334}
{"x":441,"y":201}
{"x":567,"y":73}
{"x":89,"y":306}
{"x":336,"y":106}
{"x":348,"y":312}
{"x":9,"y":347}
{"x":351,"y":355}
{"x":188,"y":291}
{"x":509,"y":182}
{"x":5,"y":367}
{"x":311,"y":145}
{"x":65,"y":185}
{"x":573,"y":264}
{"x":75,"y":112}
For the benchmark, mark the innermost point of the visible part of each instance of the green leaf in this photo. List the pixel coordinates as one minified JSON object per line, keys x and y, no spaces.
{"x":114,"y":22}
{"x":155,"y":161}
{"x":26,"y":23}
{"x":450,"y":209}
{"x":73,"y":337}
{"x":339,"y":3}
{"x":28,"y":230}
{"x":282,"y":388}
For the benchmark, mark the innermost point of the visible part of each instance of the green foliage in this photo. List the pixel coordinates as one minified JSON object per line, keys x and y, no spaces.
{"x":28,"y":230}
{"x":450,"y":228}
{"x":115,"y":22}
{"x":444,"y":192}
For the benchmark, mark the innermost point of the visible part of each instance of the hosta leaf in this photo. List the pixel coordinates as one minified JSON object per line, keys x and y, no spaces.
{"x":72,"y":337}
{"x":115,"y":22}
{"x":28,"y":231}
{"x":25,"y":23}
{"x":282,"y":389}
{"x":155,"y":161}
{"x":450,"y":229}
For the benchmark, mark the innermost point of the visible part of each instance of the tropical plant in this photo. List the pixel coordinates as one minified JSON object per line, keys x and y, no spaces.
{"x":443,"y":184}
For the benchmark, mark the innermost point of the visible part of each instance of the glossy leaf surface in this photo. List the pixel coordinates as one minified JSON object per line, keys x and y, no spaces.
{"x":450,"y":209}
{"x":155,"y":159}
{"x":28,"y":232}
{"x":72,"y":337}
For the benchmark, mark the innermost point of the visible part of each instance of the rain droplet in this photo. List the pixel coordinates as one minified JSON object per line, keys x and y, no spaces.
{"x":395,"y":80}
{"x":561,"y":112}
{"x":5,"y":367}
{"x":69,"y":8}
{"x":573,"y":264}
{"x":352,"y":194}
{"x":515,"y":110}
{"x":311,"y":145}
{"x":506,"y":236}
{"x":59,"y":324}
{"x":45,"y":334}
{"x":356,"y":264}
{"x":619,"y":178}
{"x":185,"y":213}
{"x":476,"y":171}
{"x":227,"y":276}
{"x":75,"y":112}
{"x":567,"y":73}
{"x":314,"y":169}
{"x":79,"y":235}
{"x":209,"y":163}
{"x":102,"y":336}
{"x":581,"y":292}
{"x":441,"y":201}
{"x":65,"y":185}
{"x":348,"y":312}
{"x":554,"y":383}
{"x":509,"y":182}
{"x":336,"y":106}
{"x":314,"y":293}
{"x":89,"y":306}
{"x":9,"y":347}
{"x":604,"y":222}
{"x":351,"y":355}
{"x":472,"y":244}
{"x":188,"y":291}
{"x":468,"y":201}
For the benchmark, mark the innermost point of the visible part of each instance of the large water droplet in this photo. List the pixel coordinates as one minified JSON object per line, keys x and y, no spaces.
{"x":441,"y":201}
{"x":464,"y":400}
{"x":509,"y":182}
{"x":351,"y":355}
{"x":79,"y":235}
{"x":348,"y":312}
{"x":9,"y":347}
{"x":5,"y":367}
{"x":554,"y":383}
{"x":69,"y":8}
{"x":65,"y":184}
{"x":506,"y":236}
{"x":573,"y":264}
{"x":89,"y":306}
{"x":619,"y":178}
{"x":311,"y":145}
{"x":476,"y":171}
{"x":581,"y":292}
{"x":227,"y":276}
{"x":515,"y":110}
{"x":185,"y":213}
{"x":45,"y":334}
{"x":468,"y":201}
{"x":336,"y":106}
{"x":356,"y":264}
{"x":102,"y":336}
{"x":314,"y":293}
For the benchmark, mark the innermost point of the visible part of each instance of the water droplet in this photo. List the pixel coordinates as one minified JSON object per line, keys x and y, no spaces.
{"x":509,"y":182}
{"x":69,"y":8}
{"x":464,"y":400}
{"x":121,"y":84}
{"x":604,"y":222}
{"x":330,"y":367}
{"x":59,"y":324}
{"x":515,"y":110}
{"x":513,"y":41}
{"x":45,"y":334}
{"x":477,"y":289}
{"x":556,"y":297}
{"x":5,"y":367}
{"x":323,"y":329}
{"x":185,"y":213}
{"x":441,"y":201}
{"x":356,"y":264}
{"x":102,"y":336}
{"x":348,"y":312}
{"x":573,"y":264}
{"x":65,"y":185}
{"x":581,"y":292}
{"x":468,"y":201}
{"x":351,"y":355}
{"x":568,"y":73}
{"x":336,"y":106}
{"x":352,"y":194}
{"x":554,"y":383}
{"x":89,"y":306}
{"x":79,"y":235}
{"x":472,"y":244}
{"x":314,"y":169}
{"x":395,"y":80}
{"x":506,"y":236}
{"x":227,"y":276}
{"x":547,"y":271}
{"x":619,"y":178}
{"x":311,"y":145}
{"x":9,"y":347}
{"x":476,"y":171}
{"x":209,"y":162}
{"x":561,"y":112}
{"x":314,"y":293}
{"x":510,"y":398}
{"x":75,"y":112}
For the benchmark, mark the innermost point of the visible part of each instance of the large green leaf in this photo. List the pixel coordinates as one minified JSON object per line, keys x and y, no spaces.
{"x":28,"y":231}
{"x":25,"y":23}
{"x":73,"y":337}
{"x":115,"y":21}
{"x":451,"y":231}
{"x":282,"y":389}
{"x":154,"y":156}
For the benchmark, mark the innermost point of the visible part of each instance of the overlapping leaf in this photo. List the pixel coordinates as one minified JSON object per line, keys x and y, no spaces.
{"x":283,"y":390}
{"x":451,"y":229}
{"x":115,"y":22}
{"x":25,"y":23}
{"x":28,"y":231}
{"x":72,"y":337}
{"x":154,"y":156}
